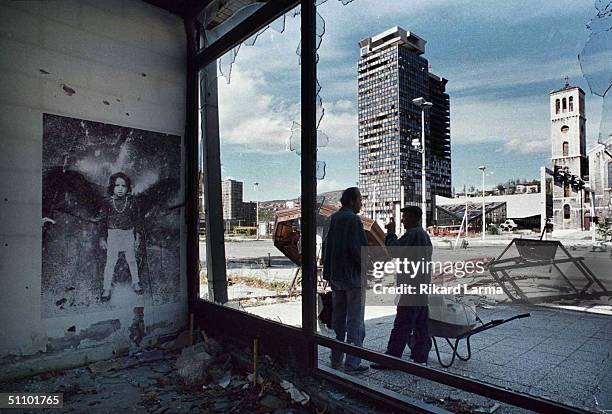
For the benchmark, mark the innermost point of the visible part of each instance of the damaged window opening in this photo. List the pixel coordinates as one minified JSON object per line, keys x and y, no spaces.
{"x":255,"y":119}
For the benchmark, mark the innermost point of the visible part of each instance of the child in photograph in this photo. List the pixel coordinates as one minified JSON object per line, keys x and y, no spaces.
{"x":121,"y":231}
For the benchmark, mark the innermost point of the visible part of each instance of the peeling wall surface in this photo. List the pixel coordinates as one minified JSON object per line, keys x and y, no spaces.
{"x":110,"y":77}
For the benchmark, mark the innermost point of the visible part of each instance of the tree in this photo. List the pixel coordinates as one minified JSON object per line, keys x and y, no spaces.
{"x":604,"y":229}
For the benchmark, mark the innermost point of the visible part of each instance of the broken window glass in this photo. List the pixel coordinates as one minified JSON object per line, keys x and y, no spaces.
{"x":226,"y":62}
{"x":595,"y":60}
{"x":320,"y":171}
{"x":277,"y":25}
{"x":294,"y":142}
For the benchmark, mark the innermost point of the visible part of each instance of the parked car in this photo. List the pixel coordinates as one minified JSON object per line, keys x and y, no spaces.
{"x":508,"y":225}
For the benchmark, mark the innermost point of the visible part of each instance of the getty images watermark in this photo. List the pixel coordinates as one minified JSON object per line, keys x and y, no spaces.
{"x":411,"y":270}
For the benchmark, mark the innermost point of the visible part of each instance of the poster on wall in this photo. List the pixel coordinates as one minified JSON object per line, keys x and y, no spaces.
{"x":111,"y":210}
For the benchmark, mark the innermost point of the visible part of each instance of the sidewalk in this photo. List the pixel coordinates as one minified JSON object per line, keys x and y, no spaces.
{"x":561,"y":355}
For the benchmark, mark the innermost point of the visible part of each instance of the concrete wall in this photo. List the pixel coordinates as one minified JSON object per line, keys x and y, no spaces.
{"x":599,"y":180}
{"x":127,"y":53}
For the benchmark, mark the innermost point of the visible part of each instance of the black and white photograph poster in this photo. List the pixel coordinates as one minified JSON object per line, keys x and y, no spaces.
{"x":111,"y":209}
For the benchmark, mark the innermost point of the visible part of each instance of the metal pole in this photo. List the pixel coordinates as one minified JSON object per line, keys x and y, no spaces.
{"x":423,"y":182}
{"x":256,"y":189}
{"x":484,"y":225}
{"x":308,"y":177}
{"x":592,"y":208}
{"x":213,"y":196}
{"x":402,"y":205}
{"x":192,"y":170}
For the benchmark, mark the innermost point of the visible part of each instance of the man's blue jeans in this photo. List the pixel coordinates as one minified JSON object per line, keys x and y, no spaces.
{"x":347,"y":321}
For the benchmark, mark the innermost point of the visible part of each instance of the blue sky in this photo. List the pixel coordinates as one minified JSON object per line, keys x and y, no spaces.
{"x":501,"y":60}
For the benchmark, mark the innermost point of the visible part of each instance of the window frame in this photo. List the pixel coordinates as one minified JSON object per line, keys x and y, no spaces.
{"x":224,"y":321}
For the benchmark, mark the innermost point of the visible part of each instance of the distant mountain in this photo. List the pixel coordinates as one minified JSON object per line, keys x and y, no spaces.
{"x":329,"y":197}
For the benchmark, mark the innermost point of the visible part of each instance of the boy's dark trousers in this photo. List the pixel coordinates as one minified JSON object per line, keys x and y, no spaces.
{"x":410,"y":320}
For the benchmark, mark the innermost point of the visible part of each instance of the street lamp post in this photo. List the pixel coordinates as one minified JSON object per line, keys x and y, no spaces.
{"x":424,"y":105}
{"x":256,"y":187}
{"x":484,"y":226}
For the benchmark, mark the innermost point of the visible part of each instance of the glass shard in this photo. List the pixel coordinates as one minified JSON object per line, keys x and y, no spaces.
{"x":320,"y":30}
{"x":605,"y":127}
{"x":320,"y":110}
{"x":594,"y":59}
{"x":225,"y":63}
{"x":320,"y":171}
{"x":279,"y":24}
{"x":320,"y":33}
{"x":294,"y":142}
{"x":251,"y":40}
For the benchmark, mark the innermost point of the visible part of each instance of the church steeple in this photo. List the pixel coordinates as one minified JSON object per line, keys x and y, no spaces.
{"x":568,"y":144}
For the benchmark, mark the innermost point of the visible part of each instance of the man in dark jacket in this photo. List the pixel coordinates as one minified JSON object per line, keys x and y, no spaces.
{"x":342,"y":268}
{"x":412,"y":312}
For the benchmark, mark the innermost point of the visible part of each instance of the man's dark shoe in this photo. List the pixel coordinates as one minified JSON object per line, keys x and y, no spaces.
{"x":356,"y":370}
{"x":336,"y":366}
{"x":105,"y":295}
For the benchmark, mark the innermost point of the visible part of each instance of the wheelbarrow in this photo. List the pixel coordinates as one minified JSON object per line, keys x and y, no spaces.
{"x":454,"y":321}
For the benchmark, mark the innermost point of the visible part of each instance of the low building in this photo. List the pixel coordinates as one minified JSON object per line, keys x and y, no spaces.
{"x":232,"y":199}
{"x":527,"y":187}
{"x":525,"y":209}
{"x":249,"y":213}
{"x":453,"y":214}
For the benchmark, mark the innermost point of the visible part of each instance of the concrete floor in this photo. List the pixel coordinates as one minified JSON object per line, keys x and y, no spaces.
{"x":561,"y":355}
{"x":557,"y":354}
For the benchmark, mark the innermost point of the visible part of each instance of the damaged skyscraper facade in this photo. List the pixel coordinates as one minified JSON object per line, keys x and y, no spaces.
{"x":391,"y":73}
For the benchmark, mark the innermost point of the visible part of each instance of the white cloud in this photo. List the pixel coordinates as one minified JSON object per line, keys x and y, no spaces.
{"x":475,"y":120}
{"x":526,"y":147}
{"x":340,"y":124}
{"x":489,"y":12}
{"x":510,"y":72}
{"x":330,"y":185}
{"x":519,"y":119}
{"x":252,"y":117}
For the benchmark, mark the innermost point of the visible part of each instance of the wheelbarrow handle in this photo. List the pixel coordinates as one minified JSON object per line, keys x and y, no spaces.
{"x":524,"y":315}
{"x":496,"y":322}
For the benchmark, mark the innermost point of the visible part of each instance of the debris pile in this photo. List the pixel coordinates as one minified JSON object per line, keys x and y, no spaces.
{"x":190,"y":373}
{"x":207,"y":370}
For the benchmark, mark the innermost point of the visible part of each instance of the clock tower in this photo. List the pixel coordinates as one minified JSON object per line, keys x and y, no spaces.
{"x":568,"y":138}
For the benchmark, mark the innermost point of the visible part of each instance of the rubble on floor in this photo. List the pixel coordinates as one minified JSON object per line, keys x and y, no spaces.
{"x":178,"y":377}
